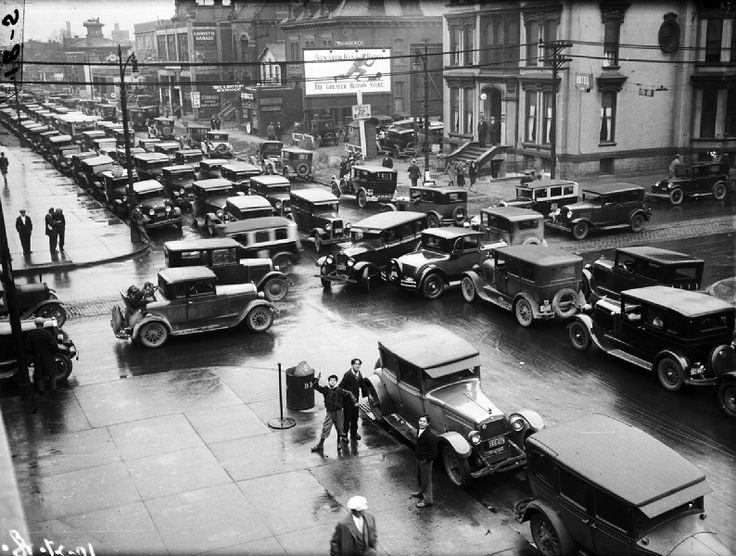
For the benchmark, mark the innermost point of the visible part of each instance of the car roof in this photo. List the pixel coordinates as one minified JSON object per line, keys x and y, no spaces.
{"x":451,"y":232}
{"x":198,"y":126}
{"x":243,"y":202}
{"x":441,"y":189}
{"x":94,"y":132}
{"x":256,"y":224}
{"x":151,"y":157}
{"x":295,"y":150}
{"x":184,"y":273}
{"x":167,"y":144}
{"x":213,"y":161}
{"x":123,"y":175}
{"x":60,"y":138}
{"x":389,"y":219}
{"x":315,"y":195}
{"x":147,"y":186}
{"x":599,"y":448}
{"x":270,"y":180}
{"x":687,"y":303}
{"x":540,"y":255}
{"x":213,"y":183}
{"x":190,"y":151}
{"x":95,"y":160}
{"x":610,"y":187}
{"x":659,"y":255}
{"x":513,"y":213}
{"x":201,"y":244}
{"x":177,"y":167}
{"x":546,"y":182}
{"x":373,"y":168}
{"x":430,"y":347}
{"x":241,"y":166}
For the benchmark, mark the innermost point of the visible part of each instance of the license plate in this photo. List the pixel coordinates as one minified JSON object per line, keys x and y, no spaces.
{"x":338,"y":230}
{"x":500,"y":441}
{"x":341,"y":267}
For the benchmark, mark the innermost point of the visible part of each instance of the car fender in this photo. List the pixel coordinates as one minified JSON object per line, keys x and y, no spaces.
{"x":582,"y":219}
{"x":375,"y":381}
{"x":269,"y":276}
{"x":473,"y":275}
{"x":428,"y":269}
{"x":534,"y":304}
{"x":389,"y":207}
{"x":457,"y":442}
{"x":536,"y":423}
{"x":537,"y":505}
{"x":213,"y":218}
{"x":360,"y":265}
{"x":32,"y":310}
{"x":585,"y":319}
{"x":319,"y":231}
{"x":647,"y":214}
{"x":150,"y":317}
{"x":322,"y":260}
{"x":255,"y":303}
{"x":680,"y":358}
{"x":588,"y":274}
{"x":729,"y":377}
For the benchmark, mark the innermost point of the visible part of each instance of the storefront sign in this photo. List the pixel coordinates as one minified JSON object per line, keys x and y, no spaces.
{"x":247,"y":100}
{"x":235,"y":87}
{"x":205,"y":46}
{"x":209,"y":100}
{"x":584,"y":81}
{"x":347,"y":71}
{"x":361,"y":111}
{"x":195,"y":99}
{"x":271,"y":104}
{"x":349,"y":43}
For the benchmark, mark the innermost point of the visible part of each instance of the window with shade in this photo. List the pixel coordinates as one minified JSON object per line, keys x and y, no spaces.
{"x":455,"y":40}
{"x":161,"y":46}
{"x":244,"y":49}
{"x":608,"y":117}
{"x":399,"y":96}
{"x":611,"y":33}
{"x":455,"y":109}
{"x":468,"y":51}
{"x":183,"y":45}
{"x":547,"y":118}
{"x":708,"y":113}
{"x":468,"y":111}
{"x":531,"y":117}
{"x":171,"y":45}
{"x":713,"y":36}
{"x":532,"y":43}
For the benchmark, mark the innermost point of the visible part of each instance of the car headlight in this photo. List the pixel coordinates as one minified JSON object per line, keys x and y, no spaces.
{"x":351,"y":262}
{"x":517,"y":423}
{"x":181,"y":191}
{"x":474,"y":437}
{"x":151,"y":212}
{"x":330,"y":259}
{"x":125,"y":198}
{"x":219,"y":213}
{"x":328,"y":227}
{"x":60,"y":337}
{"x":278,"y":204}
{"x":168,"y":208}
{"x":348,"y":226}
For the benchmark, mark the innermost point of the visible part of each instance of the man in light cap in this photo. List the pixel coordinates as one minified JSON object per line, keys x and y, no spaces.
{"x":41,"y":343}
{"x":356,"y":534}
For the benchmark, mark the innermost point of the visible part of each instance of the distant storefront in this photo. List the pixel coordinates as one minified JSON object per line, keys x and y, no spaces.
{"x":262,"y":105}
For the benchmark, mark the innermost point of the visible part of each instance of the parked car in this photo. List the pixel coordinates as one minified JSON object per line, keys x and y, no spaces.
{"x":512,"y":225}
{"x":439,"y":261}
{"x":316,"y":213}
{"x":210,"y":197}
{"x":210,"y":168}
{"x":89,"y":174}
{"x":700,"y":179}
{"x":191,"y":157}
{"x":150,"y":165}
{"x":323,"y":127}
{"x":444,"y":206}
{"x":221,"y":256}
{"x":34,"y":300}
{"x":197,"y":133}
{"x":153,"y":208}
{"x":168,"y":148}
{"x":429,"y":370}
{"x":684,"y":337}
{"x":544,"y":195}
{"x":189,"y":300}
{"x":75,"y":164}
{"x":636,"y":267}
{"x":367,"y":183}
{"x":533,"y":281}
{"x":240,"y":207}
{"x":604,"y":206}
{"x":64,"y":351}
{"x":296,"y":163}
{"x":239,"y":173}
{"x":115,"y":185}
{"x":398,"y":139}
{"x":216,"y":143}
{"x":87,"y":138}
{"x":375,"y":241}
{"x":269,"y":236}
{"x":598,"y":486}
{"x":164,"y":127}
{"x":149,"y":144}
{"x":270,"y":152}
{"x":140,"y":115}
{"x":178,"y":180}
{"x":58,"y":147}
{"x":274,"y":188}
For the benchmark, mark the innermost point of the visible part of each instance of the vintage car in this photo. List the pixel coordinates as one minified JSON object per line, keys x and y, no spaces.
{"x":604,"y":206}
{"x":115,"y":185}
{"x":210,"y":168}
{"x":216,"y":144}
{"x":444,"y":206}
{"x":74,"y":162}
{"x":682,"y":336}
{"x":191,"y":157}
{"x":376,"y":240}
{"x":239,"y":173}
{"x":533,"y":281}
{"x":119,"y":135}
{"x":367,"y":183}
{"x":429,"y":370}
{"x":89,"y":174}
{"x":63,"y":353}
{"x":189,"y":300}
{"x":139,"y":116}
{"x":544,"y":195}
{"x":270,"y":152}
{"x":221,"y":256}
{"x":700,"y":179}
{"x":398,"y":139}
{"x":101,"y":144}
{"x":636,"y":267}
{"x":210,"y":197}
{"x":512,"y":225}
{"x":178,"y":180}
{"x":150,"y":165}
{"x":592,"y":492}
{"x":274,"y":237}
{"x":296,"y":163}
{"x":59,"y":147}
{"x":149,"y":144}
{"x":153,"y":208}
{"x":439,"y":262}
{"x":274,"y":188}
{"x":316,"y":213}
{"x":53,"y":144}
{"x":323,"y":127}
{"x":164,"y":128}
{"x":34,"y":300}
{"x":168,"y":148}
{"x":240,"y":207}
{"x":197,"y":133}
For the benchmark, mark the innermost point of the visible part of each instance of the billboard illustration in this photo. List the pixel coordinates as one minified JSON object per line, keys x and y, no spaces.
{"x":347,"y":71}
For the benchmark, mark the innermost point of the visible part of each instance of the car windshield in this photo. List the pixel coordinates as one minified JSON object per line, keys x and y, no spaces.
{"x":559,"y":274}
{"x":451,"y":378}
{"x":271,"y":189}
{"x":149,"y":195}
{"x":433,"y":243}
{"x":523,"y":193}
{"x":325,"y":209}
{"x":371,"y":237}
{"x":590,"y":196}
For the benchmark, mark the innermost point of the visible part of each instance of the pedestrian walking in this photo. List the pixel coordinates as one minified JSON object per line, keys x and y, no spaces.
{"x":278,"y":131}
{"x":387,"y":162}
{"x":24,"y":227}
{"x":426,"y":452}
{"x":50,"y":226}
{"x":217,"y":122}
{"x":356,"y":534}
{"x":460,"y":174}
{"x":41,"y":344}
{"x":343,"y":166}
{"x":674,"y":164}
{"x":212,"y":123}
{"x":177,"y":112}
{"x":352,"y":381}
{"x":472,"y":174}
{"x":60,"y":222}
{"x":414,"y":172}
{"x":495,"y":130}
{"x":482,"y":131}
{"x":271,"y":131}
{"x":451,"y":170}
{"x":334,"y":401}
{"x":4,"y":168}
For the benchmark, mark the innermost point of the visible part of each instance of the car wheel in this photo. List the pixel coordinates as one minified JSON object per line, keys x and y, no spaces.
{"x":63,"y":367}
{"x":676,"y":196}
{"x":284,"y":262}
{"x":259,"y":319}
{"x":317,"y":243}
{"x":579,"y":335}
{"x":550,"y":541}
{"x":433,"y":286}
{"x":365,"y":280}
{"x":153,"y":334}
{"x":719,"y":191}
{"x":531,"y":241}
{"x":394,"y":274}
{"x":458,"y":215}
{"x":637,"y":223}
{"x":580,"y":230}
{"x":275,"y":289}
{"x":565,"y":303}
{"x":302,"y":170}
{"x":210,"y":227}
{"x":456,"y":468}
{"x":362,"y":198}
{"x":55,"y":311}
{"x":670,"y":373}
{"x":726,"y":395}
{"x":524,"y":313}
{"x":396,"y":152}
{"x":467,"y":288}
{"x":433,"y":221}
{"x":341,"y":135}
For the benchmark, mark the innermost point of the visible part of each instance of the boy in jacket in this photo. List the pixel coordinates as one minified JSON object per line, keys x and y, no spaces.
{"x":334,"y":403}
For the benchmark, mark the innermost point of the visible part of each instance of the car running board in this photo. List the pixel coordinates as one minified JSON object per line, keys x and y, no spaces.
{"x":487,"y":293}
{"x":633,"y":359}
{"x":402,"y":426}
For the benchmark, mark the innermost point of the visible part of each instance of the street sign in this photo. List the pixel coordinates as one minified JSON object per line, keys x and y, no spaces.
{"x":361,"y":111}
{"x":195,"y":99}
{"x":435,"y":148}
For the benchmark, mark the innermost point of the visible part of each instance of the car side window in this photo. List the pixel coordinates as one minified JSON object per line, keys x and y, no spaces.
{"x":613,"y":511}
{"x":512,"y":266}
{"x":625,"y":263}
{"x":540,"y":194}
{"x":555,"y":191}
{"x":199,"y":288}
{"x":568,"y":190}
{"x":389,"y":361}
{"x":470,"y":243}
{"x":526,"y":271}
{"x":409,"y":374}
{"x":529,"y":224}
{"x":222,"y":256}
{"x":544,"y":468}
{"x":193,"y":258}
{"x":574,"y":489}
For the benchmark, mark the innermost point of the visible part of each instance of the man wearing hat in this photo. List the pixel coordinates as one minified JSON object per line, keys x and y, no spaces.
{"x":674,"y":164}
{"x":24,"y":226}
{"x":41,"y":343}
{"x":356,"y":534}
{"x":414,"y":172}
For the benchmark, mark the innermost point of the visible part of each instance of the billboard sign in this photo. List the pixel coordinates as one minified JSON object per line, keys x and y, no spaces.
{"x":347,"y":71}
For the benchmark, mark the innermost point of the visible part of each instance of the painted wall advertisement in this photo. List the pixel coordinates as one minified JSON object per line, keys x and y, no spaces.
{"x":205,"y":45}
{"x":347,"y":71}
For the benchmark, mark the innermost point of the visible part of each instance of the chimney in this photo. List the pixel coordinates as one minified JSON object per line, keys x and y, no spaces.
{"x":68,"y":29}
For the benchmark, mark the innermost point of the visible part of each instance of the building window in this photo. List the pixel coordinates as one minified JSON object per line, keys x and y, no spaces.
{"x":183,"y":45}
{"x":708,"y":113}
{"x":161,"y":47}
{"x":244,"y":49}
{"x":171,"y":45}
{"x":455,"y":46}
{"x":455,"y":109}
{"x":611,"y":33}
{"x":399,"y":51}
{"x":468,"y":111}
{"x":713,"y":35}
{"x":531,"y":117}
{"x":399,"y":101}
{"x":730,"y":125}
{"x":549,"y":35}
{"x":547,"y":118}
{"x":532,"y":43}
{"x":468,"y":46}
{"x":294,"y":48}
{"x":608,"y":117}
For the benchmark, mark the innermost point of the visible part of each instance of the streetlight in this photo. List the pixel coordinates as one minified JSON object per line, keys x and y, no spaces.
{"x":135,"y":234}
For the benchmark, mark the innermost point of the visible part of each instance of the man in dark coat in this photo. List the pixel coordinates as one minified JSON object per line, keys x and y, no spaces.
{"x":388,"y":162}
{"x":41,"y":344}
{"x":50,"y":227}
{"x":352,"y":381}
{"x":24,"y":226}
{"x":60,"y":221}
{"x":4,"y":168}
{"x":495,"y":129}
{"x":356,"y":534}
{"x":426,"y":452}
{"x":414,"y":172}
{"x":482,"y":131}
{"x":334,"y":401}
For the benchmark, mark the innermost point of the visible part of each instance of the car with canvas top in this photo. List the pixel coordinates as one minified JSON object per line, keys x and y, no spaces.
{"x":444,"y":206}
{"x":317,"y":214}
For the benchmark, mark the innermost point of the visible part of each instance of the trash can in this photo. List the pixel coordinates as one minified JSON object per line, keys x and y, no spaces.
{"x":299,"y":388}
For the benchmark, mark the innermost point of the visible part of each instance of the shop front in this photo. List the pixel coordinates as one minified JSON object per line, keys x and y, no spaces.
{"x":263,"y":105}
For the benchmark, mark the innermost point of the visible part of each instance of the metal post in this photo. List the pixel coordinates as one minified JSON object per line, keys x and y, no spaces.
{"x":135,"y":234}
{"x":282,"y":422}
{"x":426,"y":110}
{"x":557,"y":61}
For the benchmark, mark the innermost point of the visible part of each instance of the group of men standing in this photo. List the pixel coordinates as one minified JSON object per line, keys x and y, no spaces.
{"x":54,"y":228}
{"x":491,"y":131}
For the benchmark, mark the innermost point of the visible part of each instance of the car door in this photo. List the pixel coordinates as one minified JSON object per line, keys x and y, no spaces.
{"x":412,"y":402}
{"x":612,"y":526}
{"x":575,"y":508}
{"x":204,"y":306}
{"x":462,"y":257}
{"x":610,"y":212}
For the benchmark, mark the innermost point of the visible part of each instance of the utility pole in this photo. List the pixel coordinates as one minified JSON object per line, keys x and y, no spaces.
{"x":426,"y":111}
{"x":135,"y":234}
{"x":557,"y":61}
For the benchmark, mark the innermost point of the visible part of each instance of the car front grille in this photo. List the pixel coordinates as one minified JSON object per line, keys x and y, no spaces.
{"x":337,"y":229}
